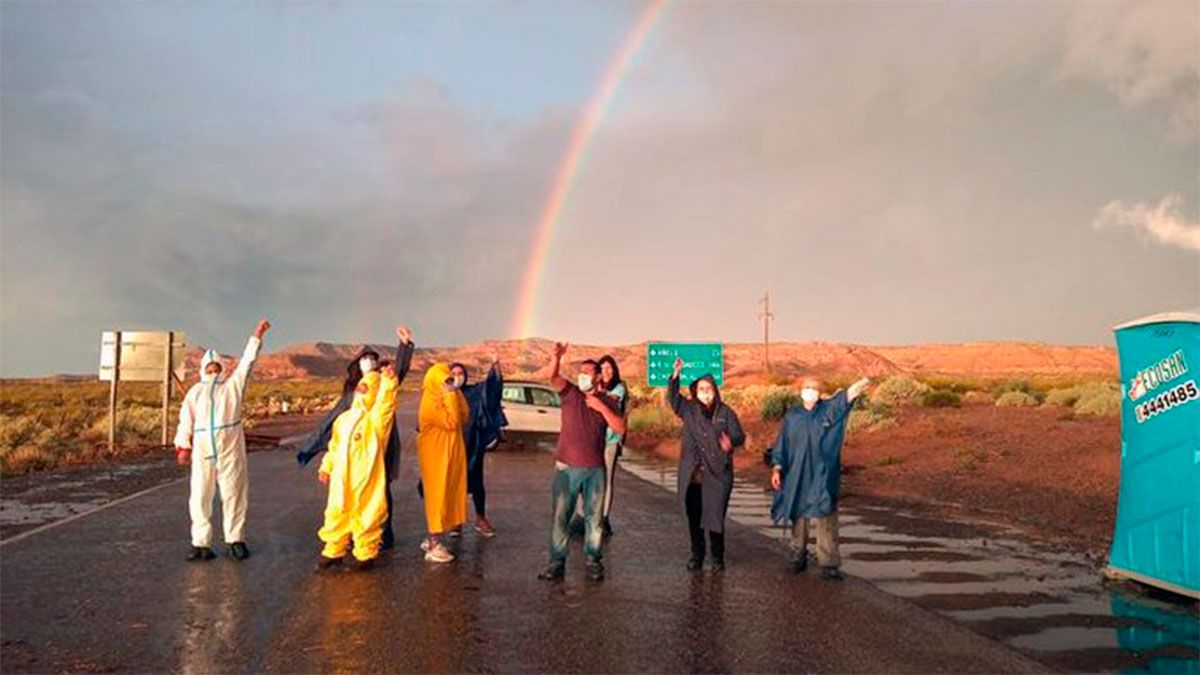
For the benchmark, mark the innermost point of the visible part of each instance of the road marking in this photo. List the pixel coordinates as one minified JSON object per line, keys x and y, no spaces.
{"x":77,"y":516}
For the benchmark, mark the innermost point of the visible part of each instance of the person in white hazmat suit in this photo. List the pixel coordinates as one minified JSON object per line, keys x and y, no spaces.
{"x":210,"y":427}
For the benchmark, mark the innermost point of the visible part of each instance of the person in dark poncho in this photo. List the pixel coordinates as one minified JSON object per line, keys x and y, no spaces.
{"x":367,"y":360}
{"x":481,"y":434}
{"x":711,"y":432}
{"x":807,"y":460}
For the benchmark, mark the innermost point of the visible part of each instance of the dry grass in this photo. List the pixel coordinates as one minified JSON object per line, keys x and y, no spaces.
{"x":48,"y":424}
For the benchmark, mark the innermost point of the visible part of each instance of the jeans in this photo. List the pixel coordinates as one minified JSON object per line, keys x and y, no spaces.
{"x":568,"y":484}
{"x":695,"y":505}
{"x":827,"y":539}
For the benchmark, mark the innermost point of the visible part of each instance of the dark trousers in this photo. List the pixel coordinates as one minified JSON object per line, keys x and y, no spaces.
{"x":476,"y":488}
{"x":695,"y":505}
{"x":389,"y":535}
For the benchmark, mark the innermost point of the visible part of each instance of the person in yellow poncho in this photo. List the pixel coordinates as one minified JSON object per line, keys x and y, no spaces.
{"x":442,"y":454}
{"x":354,"y":469}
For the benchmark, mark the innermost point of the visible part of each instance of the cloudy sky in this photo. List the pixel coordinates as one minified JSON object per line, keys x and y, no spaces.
{"x":893,"y":172}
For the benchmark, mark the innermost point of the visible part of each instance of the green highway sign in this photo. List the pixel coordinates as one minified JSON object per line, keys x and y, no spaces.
{"x":699,"y":359}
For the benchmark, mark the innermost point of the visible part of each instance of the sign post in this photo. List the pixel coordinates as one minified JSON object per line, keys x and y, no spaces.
{"x":139,"y":356}
{"x":699,"y":359}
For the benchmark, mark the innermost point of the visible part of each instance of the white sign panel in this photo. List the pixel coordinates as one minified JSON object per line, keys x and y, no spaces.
{"x":143,"y":355}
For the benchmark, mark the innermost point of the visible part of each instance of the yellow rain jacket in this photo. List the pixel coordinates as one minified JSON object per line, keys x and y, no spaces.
{"x":357,"y":505}
{"x":441,"y":451}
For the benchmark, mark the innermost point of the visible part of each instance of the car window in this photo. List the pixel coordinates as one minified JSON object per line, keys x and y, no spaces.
{"x":544,"y":397}
{"x":513,"y":394}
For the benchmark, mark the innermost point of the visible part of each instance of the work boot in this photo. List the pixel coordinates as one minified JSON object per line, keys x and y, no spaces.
{"x":718,"y":566}
{"x":799,"y":563}
{"x":595,"y":571}
{"x":238,"y":551}
{"x":695,"y":563}
{"x":555,"y":572}
{"x":328,"y":563}
{"x":364,"y":565}
{"x":832,"y":574}
{"x":200,"y":553}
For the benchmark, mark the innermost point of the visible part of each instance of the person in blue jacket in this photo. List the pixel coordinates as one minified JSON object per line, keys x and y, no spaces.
{"x":807,"y":460}
{"x":481,"y":434}
{"x":367,"y":360}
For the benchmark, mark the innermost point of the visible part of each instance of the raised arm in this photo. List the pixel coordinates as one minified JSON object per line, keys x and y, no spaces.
{"x":855,"y":390}
{"x":404,"y":352}
{"x":556,"y":379}
{"x":249,"y":355}
{"x":673,"y":396}
{"x":383,"y":411}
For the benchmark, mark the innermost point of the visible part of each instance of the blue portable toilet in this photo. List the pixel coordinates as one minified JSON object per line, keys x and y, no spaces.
{"x":1157,"y":537}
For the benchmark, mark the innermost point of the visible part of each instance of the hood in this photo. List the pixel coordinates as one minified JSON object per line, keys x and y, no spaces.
{"x":435,"y":377}
{"x":711,"y":380}
{"x":211,"y":356}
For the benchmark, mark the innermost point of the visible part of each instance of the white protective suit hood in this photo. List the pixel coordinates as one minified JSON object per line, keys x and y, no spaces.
{"x":211,"y":356}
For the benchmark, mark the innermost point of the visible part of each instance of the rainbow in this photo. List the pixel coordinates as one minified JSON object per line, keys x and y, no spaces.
{"x":568,"y":168}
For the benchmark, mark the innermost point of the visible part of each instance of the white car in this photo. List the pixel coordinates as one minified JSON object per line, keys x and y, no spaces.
{"x":531,"y":407}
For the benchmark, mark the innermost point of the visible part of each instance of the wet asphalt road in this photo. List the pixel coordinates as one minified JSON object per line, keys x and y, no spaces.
{"x":111,"y":592}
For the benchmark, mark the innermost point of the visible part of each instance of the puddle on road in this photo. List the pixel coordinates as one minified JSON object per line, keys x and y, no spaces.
{"x":1053,"y":606}
{"x":56,"y":497}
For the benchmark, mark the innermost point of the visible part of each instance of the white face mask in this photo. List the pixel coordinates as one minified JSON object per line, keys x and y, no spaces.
{"x":209,"y":377}
{"x":366,"y":364}
{"x":584,"y":381}
{"x":706,"y":397}
{"x":809,"y":395}
{"x":459,"y":381}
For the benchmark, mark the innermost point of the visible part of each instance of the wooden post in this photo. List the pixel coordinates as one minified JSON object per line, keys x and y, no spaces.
{"x":166,"y":392}
{"x":766,"y":316}
{"x":112,"y":394}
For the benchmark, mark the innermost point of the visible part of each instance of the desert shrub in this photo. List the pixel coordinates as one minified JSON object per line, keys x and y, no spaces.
{"x":958,"y":385}
{"x":776,"y":404}
{"x":653,"y":421}
{"x":26,"y":458}
{"x":1063,"y":396}
{"x":17,"y":430}
{"x":978,"y":398}
{"x":941,"y":398}
{"x":1019,"y":385}
{"x":971,"y":459}
{"x":1099,"y":401}
{"x":873,"y":417}
{"x":900,"y":390}
{"x":1015,"y":399}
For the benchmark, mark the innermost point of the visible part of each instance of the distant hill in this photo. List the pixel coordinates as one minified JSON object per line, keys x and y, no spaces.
{"x":743,"y":362}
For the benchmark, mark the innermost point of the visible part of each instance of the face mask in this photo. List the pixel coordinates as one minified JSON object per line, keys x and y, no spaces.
{"x":366,"y":364}
{"x":458,"y":382}
{"x":209,"y":377}
{"x":706,"y":397}
{"x":585,"y":382}
{"x":809,"y":395}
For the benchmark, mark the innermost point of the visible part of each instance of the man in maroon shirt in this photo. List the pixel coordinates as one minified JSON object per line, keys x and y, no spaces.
{"x":579,"y":463}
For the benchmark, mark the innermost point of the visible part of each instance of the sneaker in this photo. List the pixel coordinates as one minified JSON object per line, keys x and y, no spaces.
{"x":364,"y":565}
{"x":694,"y":564}
{"x":832,"y":574}
{"x":718,"y":566}
{"x":328,"y":563}
{"x":199,"y":553}
{"x":439,"y":554}
{"x":799,"y":563}
{"x":595,"y":571}
{"x":238,"y":550}
{"x":426,"y":544}
{"x":484,"y":527}
{"x":555,"y":572}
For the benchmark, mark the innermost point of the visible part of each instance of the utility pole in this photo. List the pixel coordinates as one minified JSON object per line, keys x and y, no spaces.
{"x":766,"y":317}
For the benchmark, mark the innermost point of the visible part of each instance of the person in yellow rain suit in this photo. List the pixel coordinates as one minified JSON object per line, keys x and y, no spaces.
{"x":355,"y":471}
{"x":442,"y":455}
